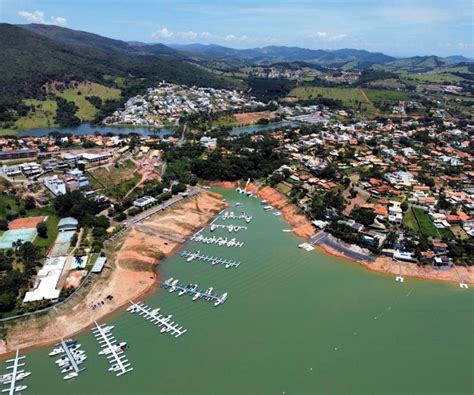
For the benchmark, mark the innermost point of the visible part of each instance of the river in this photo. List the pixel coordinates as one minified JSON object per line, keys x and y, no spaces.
{"x":295,"y":322}
{"x":88,"y":129}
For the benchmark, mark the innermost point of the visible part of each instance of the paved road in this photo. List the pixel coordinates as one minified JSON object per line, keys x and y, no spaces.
{"x":162,"y":206}
{"x":149,"y":231}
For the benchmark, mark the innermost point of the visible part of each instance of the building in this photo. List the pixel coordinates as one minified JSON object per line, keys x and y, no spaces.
{"x":92,"y":158}
{"x":55,"y":185}
{"x":144,"y":201}
{"x":68,"y":224}
{"x":18,"y":154}
{"x":395,"y":213}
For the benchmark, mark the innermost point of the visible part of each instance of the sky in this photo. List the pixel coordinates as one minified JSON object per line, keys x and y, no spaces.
{"x":394,"y":27}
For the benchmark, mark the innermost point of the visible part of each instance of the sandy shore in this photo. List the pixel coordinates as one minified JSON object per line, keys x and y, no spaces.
{"x":303,"y":228}
{"x":130,"y":274}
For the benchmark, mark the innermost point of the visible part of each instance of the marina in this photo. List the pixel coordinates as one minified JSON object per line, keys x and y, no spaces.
{"x":173,"y":285}
{"x":113,"y":350}
{"x":17,"y":374}
{"x":160,"y":320}
{"x":291,"y":304}
{"x":227,"y":263}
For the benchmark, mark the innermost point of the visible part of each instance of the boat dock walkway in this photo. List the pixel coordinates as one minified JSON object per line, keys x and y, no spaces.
{"x":192,"y":290}
{"x":13,"y":389}
{"x":117,"y":358}
{"x":162,"y":321}
{"x":230,"y":228}
{"x":227,"y":263}
{"x":228,"y":215}
{"x":70,"y":357}
{"x":220,"y":241}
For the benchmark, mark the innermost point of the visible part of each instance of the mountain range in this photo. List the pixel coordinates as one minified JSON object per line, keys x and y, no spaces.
{"x":34,"y":54}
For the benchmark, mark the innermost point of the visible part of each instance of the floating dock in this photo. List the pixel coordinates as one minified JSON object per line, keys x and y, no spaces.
{"x":228,"y":215}
{"x":220,"y":241}
{"x":117,"y":358}
{"x":227,"y":263}
{"x":162,"y":321}
{"x":229,"y":228}
{"x":17,"y":374}
{"x":173,"y":285}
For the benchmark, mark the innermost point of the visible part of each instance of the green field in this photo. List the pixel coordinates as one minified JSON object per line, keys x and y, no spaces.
{"x":115,"y":182}
{"x":87,"y":111}
{"x":377,"y":95}
{"x":350,"y":97}
{"x":41,"y":117}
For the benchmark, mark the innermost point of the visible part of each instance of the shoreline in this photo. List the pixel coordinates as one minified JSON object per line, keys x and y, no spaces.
{"x":134,"y":275}
{"x":382,"y":264}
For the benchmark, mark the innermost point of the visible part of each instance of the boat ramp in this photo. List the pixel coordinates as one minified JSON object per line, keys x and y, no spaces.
{"x":16,"y":374}
{"x":154,"y":316}
{"x":227,"y":263}
{"x":113,"y":350}
{"x":173,"y":285}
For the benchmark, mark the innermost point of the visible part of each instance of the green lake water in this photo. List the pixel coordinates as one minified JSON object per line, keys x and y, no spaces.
{"x":295,"y":322}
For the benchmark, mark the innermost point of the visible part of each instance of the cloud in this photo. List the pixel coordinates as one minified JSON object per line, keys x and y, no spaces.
{"x":192,"y":36}
{"x":162,"y":33}
{"x":39,"y":17}
{"x":324,"y":36}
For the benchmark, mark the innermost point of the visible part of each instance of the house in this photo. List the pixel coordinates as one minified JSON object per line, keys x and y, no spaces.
{"x":395,"y":213}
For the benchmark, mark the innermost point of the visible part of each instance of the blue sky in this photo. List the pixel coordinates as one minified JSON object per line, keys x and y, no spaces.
{"x":395,"y":27}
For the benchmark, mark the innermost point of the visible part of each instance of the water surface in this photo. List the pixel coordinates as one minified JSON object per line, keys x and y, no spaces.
{"x":296,"y":322}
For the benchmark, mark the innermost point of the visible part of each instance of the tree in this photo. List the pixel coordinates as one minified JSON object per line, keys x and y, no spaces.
{"x":42,"y":230}
{"x":3,"y":224}
{"x":29,"y":202}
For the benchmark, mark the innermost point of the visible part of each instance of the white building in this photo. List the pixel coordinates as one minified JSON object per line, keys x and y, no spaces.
{"x":55,"y":185}
{"x":144,"y":201}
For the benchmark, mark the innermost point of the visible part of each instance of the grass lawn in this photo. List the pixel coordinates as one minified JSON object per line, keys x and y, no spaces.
{"x":425,"y":224}
{"x":52,"y":225}
{"x":8,"y":200}
{"x":283,"y":188}
{"x":409,"y":221}
{"x":437,"y":78}
{"x":87,"y":111}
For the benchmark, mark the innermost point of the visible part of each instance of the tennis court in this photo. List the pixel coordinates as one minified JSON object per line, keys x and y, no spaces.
{"x":11,"y":236}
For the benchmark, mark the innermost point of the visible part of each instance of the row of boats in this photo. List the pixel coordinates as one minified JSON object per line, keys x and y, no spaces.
{"x":220,"y":241}
{"x":71,"y":357}
{"x":154,"y":316}
{"x":230,"y":228}
{"x":192,"y":289}
{"x":190,"y":256}
{"x":230,"y":215}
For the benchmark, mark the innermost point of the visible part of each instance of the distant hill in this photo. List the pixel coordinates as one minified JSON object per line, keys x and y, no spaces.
{"x":418,"y":64}
{"x":32,"y":55}
{"x":459,"y":59}
{"x":277,"y":54}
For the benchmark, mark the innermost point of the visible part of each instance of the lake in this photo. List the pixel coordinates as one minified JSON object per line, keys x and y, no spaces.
{"x":88,"y":129}
{"x":295,"y":322}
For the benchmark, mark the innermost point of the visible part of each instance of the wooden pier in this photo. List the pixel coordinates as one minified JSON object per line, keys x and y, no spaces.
{"x":227,"y":263}
{"x":117,"y":358}
{"x":160,"y":320}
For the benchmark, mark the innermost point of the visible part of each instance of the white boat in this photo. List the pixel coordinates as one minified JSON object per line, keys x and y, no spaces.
{"x":20,"y":388}
{"x":66,"y":369}
{"x":155,"y":311}
{"x":267,"y":208}
{"x":116,"y":347}
{"x":173,"y":286}
{"x":71,"y":375}
{"x":114,"y":367}
{"x":56,"y":351}
{"x":230,"y":228}
{"x":221,"y":300}
{"x":248,"y":219}
{"x":197,"y":296}
{"x":7,"y":378}
{"x":169,"y":281}
{"x":213,"y":228}
{"x":182,"y":292}
{"x":108,"y":328}
{"x":164,"y":329}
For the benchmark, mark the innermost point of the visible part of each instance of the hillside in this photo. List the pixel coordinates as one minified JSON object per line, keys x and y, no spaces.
{"x":30,"y":59}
